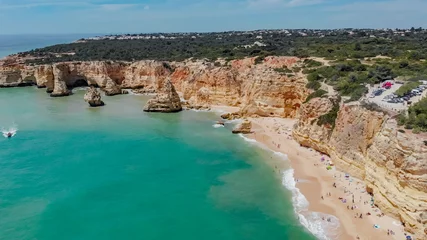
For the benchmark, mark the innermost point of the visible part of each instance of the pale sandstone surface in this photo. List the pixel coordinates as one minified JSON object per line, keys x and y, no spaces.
{"x":368,"y":145}
{"x":363,"y":143}
{"x":166,"y":100}
{"x":93,"y":97}
{"x":244,"y":127}
{"x":239,"y":83}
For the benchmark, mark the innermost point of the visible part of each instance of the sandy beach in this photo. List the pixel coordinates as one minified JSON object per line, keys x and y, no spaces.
{"x":328,"y":192}
{"x":335,"y":198}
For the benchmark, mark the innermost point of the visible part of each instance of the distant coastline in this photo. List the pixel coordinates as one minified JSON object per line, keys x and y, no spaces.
{"x":15,"y":43}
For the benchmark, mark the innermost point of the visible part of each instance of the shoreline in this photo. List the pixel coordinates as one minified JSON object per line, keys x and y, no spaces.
{"x":329,"y":194}
{"x":315,"y":183}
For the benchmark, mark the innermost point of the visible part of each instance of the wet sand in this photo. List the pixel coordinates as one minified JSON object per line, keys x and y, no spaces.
{"x":316,"y":183}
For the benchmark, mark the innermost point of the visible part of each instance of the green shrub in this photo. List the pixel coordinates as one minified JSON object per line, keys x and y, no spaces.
{"x":371,"y":106}
{"x":406,"y":88}
{"x":330,"y":117}
{"x":259,"y":59}
{"x":401,"y":131}
{"x":309,"y":63}
{"x":313,"y":85}
{"x":283,"y":70}
{"x":416,"y":130}
{"x":401,"y":119}
{"x":316,"y":94}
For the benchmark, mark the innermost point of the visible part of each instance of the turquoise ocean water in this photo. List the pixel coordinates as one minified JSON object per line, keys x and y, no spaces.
{"x":72,"y":172}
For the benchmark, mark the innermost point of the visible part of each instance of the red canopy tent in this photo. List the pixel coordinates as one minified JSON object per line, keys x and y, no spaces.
{"x":387,"y":85}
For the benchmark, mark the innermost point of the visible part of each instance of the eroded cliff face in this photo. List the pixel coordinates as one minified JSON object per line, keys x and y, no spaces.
{"x":368,"y":145}
{"x":237,"y":83}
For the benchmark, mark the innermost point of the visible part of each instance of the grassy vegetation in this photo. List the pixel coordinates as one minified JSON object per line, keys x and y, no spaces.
{"x":310,"y":63}
{"x":316,"y":94}
{"x":330,"y":44}
{"x":284,"y":70}
{"x":313,"y":85}
{"x":407,"y":88}
{"x":348,"y":50}
{"x":417,"y":117}
{"x":329,"y":118}
{"x":350,"y":77}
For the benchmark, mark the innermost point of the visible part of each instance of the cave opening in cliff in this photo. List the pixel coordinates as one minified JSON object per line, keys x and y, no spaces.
{"x":79,"y":83}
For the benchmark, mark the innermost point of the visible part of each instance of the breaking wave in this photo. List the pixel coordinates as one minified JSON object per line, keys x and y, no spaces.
{"x":313,"y":221}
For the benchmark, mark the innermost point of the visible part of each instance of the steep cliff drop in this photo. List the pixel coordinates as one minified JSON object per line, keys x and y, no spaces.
{"x":167,"y":100}
{"x":369,"y":145}
{"x":238,"y":83}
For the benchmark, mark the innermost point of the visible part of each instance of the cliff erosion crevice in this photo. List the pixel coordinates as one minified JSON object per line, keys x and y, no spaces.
{"x":200,"y":83}
{"x":368,"y":145}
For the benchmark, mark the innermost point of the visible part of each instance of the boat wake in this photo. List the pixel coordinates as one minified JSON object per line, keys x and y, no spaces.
{"x":12,"y":131}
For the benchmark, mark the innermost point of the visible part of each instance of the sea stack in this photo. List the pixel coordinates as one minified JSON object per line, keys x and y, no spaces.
{"x":59,"y":82}
{"x":93,"y":97}
{"x":243,"y":127}
{"x":166,"y":101}
{"x":111,"y":88}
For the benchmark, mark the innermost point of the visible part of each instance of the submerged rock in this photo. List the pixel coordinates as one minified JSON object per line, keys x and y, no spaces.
{"x":243,"y":127}
{"x":93,"y":97}
{"x":167,"y":100}
{"x":231,"y":116}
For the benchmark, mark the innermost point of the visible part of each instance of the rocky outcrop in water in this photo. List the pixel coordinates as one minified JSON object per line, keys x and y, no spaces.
{"x":244,"y":127}
{"x":369,"y":145}
{"x":60,"y":88}
{"x":202,"y":84}
{"x":93,"y":97}
{"x":166,"y":101}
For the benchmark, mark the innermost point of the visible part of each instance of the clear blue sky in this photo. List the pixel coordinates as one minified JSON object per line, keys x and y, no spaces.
{"x":122,"y":16}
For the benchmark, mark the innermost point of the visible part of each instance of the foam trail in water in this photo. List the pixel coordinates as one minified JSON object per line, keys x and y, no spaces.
{"x":11,"y":130}
{"x":247,"y":139}
{"x":311,"y":220}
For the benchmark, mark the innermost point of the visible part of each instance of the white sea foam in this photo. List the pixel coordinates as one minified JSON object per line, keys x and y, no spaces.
{"x":80,"y":89}
{"x":234,"y":121}
{"x":200,"y":110}
{"x":247,"y":139}
{"x":217,"y":125}
{"x":13,"y":130}
{"x":281,"y":155}
{"x":311,"y":220}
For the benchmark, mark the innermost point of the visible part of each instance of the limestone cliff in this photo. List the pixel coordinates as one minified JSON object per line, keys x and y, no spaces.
{"x":244,"y":127}
{"x":242,"y":83}
{"x":93,"y":97}
{"x":368,"y":144}
{"x":167,"y":99}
